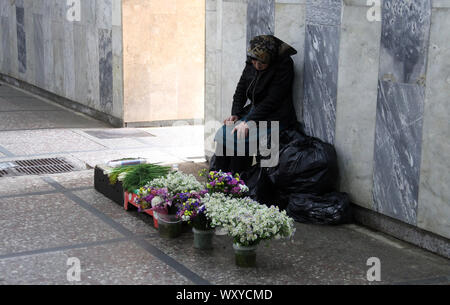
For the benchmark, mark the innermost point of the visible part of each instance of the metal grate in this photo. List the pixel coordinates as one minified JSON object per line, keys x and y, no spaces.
{"x":3,"y":173}
{"x":43,"y":166}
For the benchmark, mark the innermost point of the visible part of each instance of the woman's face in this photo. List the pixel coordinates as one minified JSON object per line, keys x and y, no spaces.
{"x":259,"y":65}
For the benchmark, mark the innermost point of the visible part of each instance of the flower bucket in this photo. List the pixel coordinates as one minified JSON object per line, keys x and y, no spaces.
{"x":203,"y":238}
{"x":245,"y":256}
{"x":169,"y":225}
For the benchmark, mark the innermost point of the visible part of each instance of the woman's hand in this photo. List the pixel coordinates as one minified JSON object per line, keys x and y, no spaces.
{"x":230,"y":120}
{"x":241,"y":129}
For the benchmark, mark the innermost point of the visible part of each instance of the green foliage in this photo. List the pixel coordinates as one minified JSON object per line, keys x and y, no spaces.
{"x":141,"y":174}
{"x":118,"y":170}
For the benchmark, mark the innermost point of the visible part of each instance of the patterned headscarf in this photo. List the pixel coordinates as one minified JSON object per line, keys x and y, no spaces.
{"x":264,"y":48}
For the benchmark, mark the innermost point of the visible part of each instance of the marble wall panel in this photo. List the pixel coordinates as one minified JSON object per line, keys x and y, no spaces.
{"x":397,"y":152}
{"x":5,"y":48}
{"x":21,"y":39}
{"x":356,"y":103}
{"x":89,"y":12}
{"x":117,"y":13}
{"x":80,"y":60}
{"x":434,"y":193}
{"x":117,"y":48}
{"x":4,"y":8}
{"x":290,"y":27}
{"x":38,"y":43}
{"x":92,"y":89}
{"x":260,"y":18}
{"x":13,"y":49}
{"x":398,"y":137}
{"x":323,"y":12}
{"x":320,"y":81}
{"x":105,"y":69}
{"x":404,"y":43}
{"x":59,"y":10}
{"x":234,"y":53}
{"x":104,"y":14}
{"x":58,"y":57}
{"x":29,"y":38}
{"x":49,"y":70}
{"x":69,"y":61}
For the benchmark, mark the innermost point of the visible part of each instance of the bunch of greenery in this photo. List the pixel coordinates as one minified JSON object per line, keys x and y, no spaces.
{"x":142,"y":174}
{"x":136,"y":176}
{"x":115,"y":172}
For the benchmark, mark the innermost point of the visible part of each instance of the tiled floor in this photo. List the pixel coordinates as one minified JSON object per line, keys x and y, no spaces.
{"x":47,"y":220}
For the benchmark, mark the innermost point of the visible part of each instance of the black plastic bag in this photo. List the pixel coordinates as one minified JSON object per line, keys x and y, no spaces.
{"x":261,"y":188}
{"x":306,"y":165}
{"x":332,"y":208}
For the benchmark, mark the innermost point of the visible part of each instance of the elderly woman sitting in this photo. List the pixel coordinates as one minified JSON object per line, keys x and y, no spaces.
{"x":266,"y":85}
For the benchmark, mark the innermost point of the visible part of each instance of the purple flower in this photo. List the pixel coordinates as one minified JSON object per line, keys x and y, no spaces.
{"x":236,"y":189}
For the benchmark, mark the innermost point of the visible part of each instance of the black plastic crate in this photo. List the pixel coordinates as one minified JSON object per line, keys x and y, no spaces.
{"x":112,"y":191}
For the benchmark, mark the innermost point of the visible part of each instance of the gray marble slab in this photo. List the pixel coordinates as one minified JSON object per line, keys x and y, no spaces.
{"x":93,"y":94}
{"x":397,"y":153}
{"x":80,"y":56}
{"x":104,"y":14}
{"x":4,"y":8}
{"x":105,"y":69}
{"x":260,"y":18}
{"x":58,"y":57}
{"x":58,"y":10}
{"x":357,"y":103}
{"x":38,"y":37}
{"x":404,"y":40}
{"x":231,"y":61}
{"x":29,"y":38}
{"x":6,"y":56}
{"x":48,"y":53}
{"x":88,"y":12}
{"x":433,"y":212}
{"x":19,"y":3}
{"x":69,"y":61}
{"x":320,"y":81}
{"x":21,"y":40}
{"x":290,"y":27}
{"x":323,"y":12}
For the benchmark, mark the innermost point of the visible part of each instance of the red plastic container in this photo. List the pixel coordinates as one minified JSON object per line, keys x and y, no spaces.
{"x":131,"y":198}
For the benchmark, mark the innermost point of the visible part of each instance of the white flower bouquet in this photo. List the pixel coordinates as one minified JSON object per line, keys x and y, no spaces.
{"x":176,"y":182}
{"x":247,"y":221}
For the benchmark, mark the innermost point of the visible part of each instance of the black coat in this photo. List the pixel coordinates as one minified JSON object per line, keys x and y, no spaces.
{"x":270,"y":91}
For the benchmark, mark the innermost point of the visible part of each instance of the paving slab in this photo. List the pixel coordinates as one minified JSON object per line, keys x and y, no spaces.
{"x":45,"y":221}
{"x":138,"y":223}
{"x":76,"y":179}
{"x":31,"y":142}
{"x":152,"y":155}
{"x":189,"y":135}
{"x":318,"y":255}
{"x":21,"y":185}
{"x":120,"y":263}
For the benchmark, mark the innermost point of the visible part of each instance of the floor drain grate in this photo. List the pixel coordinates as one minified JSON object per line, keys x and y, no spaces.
{"x":3,"y":173}
{"x":43,"y":166}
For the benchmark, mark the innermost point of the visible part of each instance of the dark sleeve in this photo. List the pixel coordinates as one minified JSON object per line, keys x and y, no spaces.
{"x":239,"y":97}
{"x":279,"y":88}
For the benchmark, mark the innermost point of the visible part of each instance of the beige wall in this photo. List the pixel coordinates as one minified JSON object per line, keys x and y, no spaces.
{"x":163,"y":59}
